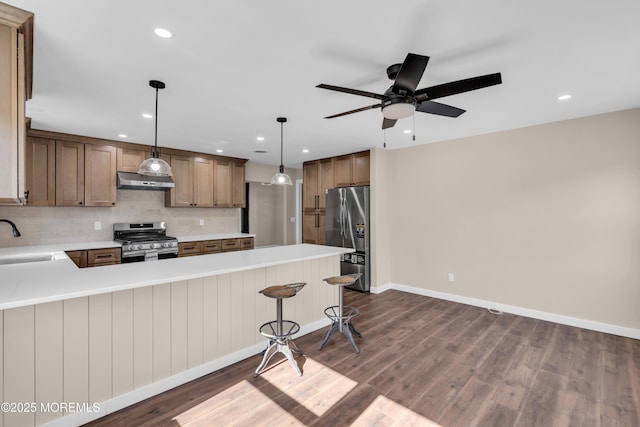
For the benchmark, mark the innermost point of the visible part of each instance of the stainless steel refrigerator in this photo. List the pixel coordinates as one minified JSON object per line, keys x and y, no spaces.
{"x":347,"y":225}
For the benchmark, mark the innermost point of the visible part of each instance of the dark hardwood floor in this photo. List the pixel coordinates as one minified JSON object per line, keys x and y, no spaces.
{"x":423,"y":361}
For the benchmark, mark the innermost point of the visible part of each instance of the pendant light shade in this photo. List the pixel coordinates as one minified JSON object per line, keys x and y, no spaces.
{"x":155,"y":166}
{"x":281,"y":178}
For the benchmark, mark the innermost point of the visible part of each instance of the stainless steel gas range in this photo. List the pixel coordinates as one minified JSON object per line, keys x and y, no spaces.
{"x":145,"y":241}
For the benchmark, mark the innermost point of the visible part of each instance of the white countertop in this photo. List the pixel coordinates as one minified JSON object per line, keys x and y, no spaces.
{"x":57,"y":247}
{"x":46,"y":281}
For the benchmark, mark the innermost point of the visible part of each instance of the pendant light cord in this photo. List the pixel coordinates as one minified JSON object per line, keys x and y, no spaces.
{"x":155,"y":154}
{"x":281,"y":144}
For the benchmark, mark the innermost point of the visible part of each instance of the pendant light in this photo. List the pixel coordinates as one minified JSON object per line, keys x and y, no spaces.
{"x":155,"y":166}
{"x":281,"y":178}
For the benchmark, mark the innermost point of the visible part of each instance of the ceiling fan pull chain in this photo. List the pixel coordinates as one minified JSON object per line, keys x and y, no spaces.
{"x":414,"y":126}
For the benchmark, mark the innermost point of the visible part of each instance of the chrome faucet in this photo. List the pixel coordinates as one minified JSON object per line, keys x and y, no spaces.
{"x":16,"y":233}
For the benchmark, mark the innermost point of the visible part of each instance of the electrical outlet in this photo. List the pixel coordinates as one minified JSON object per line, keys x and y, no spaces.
{"x":201,"y":221}
{"x":451,"y":277}
{"x":97,"y":225}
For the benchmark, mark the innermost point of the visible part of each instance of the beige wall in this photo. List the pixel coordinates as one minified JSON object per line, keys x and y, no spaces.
{"x":546,"y":217}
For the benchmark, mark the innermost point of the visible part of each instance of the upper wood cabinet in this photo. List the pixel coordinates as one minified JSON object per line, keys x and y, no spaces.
{"x":16,"y":25}
{"x":99,"y":175}
{"x":318,"y":177}
{"x":40,"y":171}
{"x":69,"y":173}
{"x":85,"y":174}
{"x":352,"y":169}
{"x":193,"y":178}
{"x":229,"y":183}
{"x":129,"y":159}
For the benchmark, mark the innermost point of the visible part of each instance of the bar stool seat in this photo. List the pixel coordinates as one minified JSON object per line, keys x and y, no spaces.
{"x":280,"y":331}
{"x":341,"y":314}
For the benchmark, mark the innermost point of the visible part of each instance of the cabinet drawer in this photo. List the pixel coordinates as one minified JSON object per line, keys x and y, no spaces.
{"x":189,"y":248}
{"x":247,"y":243}
{"x":211,"y":246}
{"x":231,"y":245}
{"x":103,"y":256}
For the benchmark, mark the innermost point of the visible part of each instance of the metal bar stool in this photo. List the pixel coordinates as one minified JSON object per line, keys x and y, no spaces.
{"x":280,"y":331}
{"x":340,"y":314}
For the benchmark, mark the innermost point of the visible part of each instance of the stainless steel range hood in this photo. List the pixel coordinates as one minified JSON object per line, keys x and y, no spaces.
{"x":134,"y":181}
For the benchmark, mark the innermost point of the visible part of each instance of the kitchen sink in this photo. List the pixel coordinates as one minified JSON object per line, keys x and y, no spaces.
{"x":28,"y":258}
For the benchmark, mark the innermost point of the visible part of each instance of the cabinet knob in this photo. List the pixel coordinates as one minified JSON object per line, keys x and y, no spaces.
{"x":79,"y":203}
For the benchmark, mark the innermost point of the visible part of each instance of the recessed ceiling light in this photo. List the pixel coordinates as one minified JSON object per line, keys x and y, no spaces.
{"x":407,"y":131}
{"x":147,"y":116}
{"x":161,"y":32}
{"x":122,"y":135}
{"x":564,"y":97}
{"x":305,"y":150}
{"x":218,"y":151}
{"x":260,"y":138}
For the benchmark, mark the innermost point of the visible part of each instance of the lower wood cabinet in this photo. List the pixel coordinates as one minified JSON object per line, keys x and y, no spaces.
{"x":96,"y":257}
{"x":205,"y":247}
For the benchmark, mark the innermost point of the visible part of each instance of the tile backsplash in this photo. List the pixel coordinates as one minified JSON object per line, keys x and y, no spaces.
{"x":48,"y":225}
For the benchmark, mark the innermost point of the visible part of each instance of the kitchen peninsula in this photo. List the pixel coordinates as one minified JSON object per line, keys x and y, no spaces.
{"x":111,"y":336}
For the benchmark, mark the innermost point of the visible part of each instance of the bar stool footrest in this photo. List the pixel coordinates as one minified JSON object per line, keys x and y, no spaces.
{"x":270,"y":329}
{"x":348,"y":313}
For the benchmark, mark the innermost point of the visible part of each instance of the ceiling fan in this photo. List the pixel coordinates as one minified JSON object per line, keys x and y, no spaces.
{"x":402,"y":98}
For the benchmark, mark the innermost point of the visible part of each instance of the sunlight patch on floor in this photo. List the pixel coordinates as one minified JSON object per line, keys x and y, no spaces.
{"x":239,"y":405}
{"x":386,"y":412}
{"x":318,"y":389}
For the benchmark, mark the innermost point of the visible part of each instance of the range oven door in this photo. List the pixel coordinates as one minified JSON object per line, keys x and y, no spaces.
{"x":147,"y":256}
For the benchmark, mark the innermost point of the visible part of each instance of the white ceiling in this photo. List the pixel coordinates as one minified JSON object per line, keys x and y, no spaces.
{"x":232,"y":67}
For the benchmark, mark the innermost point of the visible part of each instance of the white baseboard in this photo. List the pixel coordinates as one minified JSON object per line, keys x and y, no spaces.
{"x":142,"y":393}
{"x":521,"y":311}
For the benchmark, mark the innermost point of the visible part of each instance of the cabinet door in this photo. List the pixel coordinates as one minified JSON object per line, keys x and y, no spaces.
{"x":202,"y":182}
{"x":12,"y":127}
{"x":40,"y":171}
{"x":100,"y":175}
{"x":238,"y":185}
{"x":129,"y":159}
{"x":343,"y":171}
{"x":325,"y":180}
{"x":310,"y":227}
{"x":69,"y":173}
{"x":182,"y":194}
{"x":360,"y":172}
{"x":310,"y":185}
{"x":78,"y":257}
{"x":223,"y":178}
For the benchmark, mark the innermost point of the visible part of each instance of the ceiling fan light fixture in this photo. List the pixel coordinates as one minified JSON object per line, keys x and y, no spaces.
{"x":281,"y":178}
{"x":398,"y":110}
{"x":155,"y":166}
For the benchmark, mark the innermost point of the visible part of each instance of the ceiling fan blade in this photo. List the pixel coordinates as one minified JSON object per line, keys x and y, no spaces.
{"x":459,"y":86}
{"x":388,"y":123}
{"x":370,"y":107}
{"x":410,"y":73}
{"x":433,"y":107}
{"x":352,"y":91}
